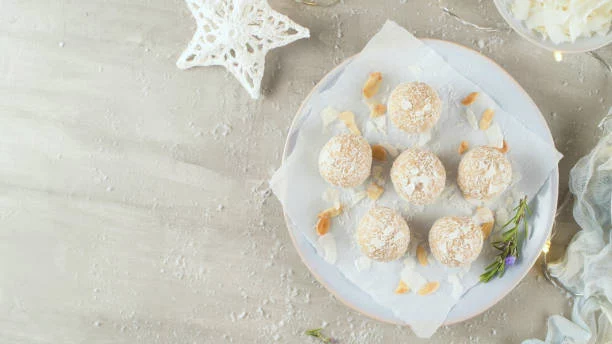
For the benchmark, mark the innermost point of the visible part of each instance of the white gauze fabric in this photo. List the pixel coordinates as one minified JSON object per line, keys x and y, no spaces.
{"x":587,"y":266}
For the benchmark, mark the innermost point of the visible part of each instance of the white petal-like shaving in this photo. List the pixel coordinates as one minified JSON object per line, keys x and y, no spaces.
{"x":391,"y":149}
{"x":456,"y":285}
{"x":565,"y":20}
{"x":495,"y":136}
{"x":328,"y":115}
{"x":413,"y":279}
{"x":471,"y":118}
{"x":327,"y":248}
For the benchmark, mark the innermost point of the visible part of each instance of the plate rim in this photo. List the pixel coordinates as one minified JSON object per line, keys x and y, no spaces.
{"x":554,"y":178}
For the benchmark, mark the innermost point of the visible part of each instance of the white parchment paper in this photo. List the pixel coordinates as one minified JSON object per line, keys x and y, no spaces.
{"x":400,"y":57}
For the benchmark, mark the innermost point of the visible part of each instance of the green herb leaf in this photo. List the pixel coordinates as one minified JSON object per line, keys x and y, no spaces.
{"x":508,"y":246}
{"x":316,"y":332}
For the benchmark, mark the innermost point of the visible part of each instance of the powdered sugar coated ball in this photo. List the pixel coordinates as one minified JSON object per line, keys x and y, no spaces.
{"x":345,"y":160}
{"x":484,"y":173}
{"x":383,"y":234}
{"x":455,"y":241}
{"x":418,"y":176}
{"x":414,"y":107}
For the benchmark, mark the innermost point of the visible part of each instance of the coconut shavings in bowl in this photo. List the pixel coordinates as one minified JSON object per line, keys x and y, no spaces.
{"x":565,"y":20}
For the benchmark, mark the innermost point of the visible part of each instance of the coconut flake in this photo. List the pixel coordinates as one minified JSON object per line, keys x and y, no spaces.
{"x":328,"y":115}
{"x":377,"y":175}
{"x":410,"y":262}
{"x":565,"y":21}
{"x":457,"y":287}
{"x":502,"y":215}
{"x":327,"y":248}
{"x":391,"y":149}
{"x":471,"y":118}
{"x":406,"y":105}
{"x":483,"y":215}
{"x":495,"y":136}
{"x":413,"y":279}
{"x":356,"y":197}
{"x":379,"y":124}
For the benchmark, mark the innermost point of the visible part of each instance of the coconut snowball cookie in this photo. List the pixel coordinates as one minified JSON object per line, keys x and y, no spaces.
{"x":418,"y":176}
{"x":383,"y":234}
{"x":345,"y":160}
{"x":414,"y":107}
{"x":455,"y":241}
{"x":484,"y":173}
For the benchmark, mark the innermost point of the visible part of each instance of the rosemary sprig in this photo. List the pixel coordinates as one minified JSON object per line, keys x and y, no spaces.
{"x":509,"y":246}
{"x":316,"y":332}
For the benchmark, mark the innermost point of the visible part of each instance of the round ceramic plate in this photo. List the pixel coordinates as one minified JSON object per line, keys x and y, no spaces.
{"x":513,"y":99}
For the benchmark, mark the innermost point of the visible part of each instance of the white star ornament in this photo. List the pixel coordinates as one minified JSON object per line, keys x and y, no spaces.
{"x":237,"y":34}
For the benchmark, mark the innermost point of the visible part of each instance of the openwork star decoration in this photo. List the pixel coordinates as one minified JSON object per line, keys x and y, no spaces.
{"x":237,"y":34}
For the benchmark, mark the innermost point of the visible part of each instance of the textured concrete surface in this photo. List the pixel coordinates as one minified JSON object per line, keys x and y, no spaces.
{"x":133,"y":199}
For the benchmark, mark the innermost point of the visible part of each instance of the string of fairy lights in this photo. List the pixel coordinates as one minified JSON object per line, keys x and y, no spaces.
{"x":565,"y":201}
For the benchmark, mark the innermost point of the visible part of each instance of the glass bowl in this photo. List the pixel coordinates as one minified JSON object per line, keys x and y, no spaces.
{"x":582,"y":44}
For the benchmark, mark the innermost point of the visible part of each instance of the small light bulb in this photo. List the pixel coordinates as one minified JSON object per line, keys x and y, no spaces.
{"x":546,"y":247}
{"x":558,"y":56}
